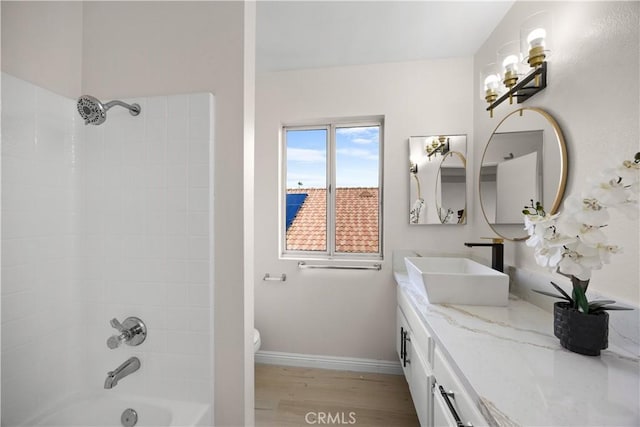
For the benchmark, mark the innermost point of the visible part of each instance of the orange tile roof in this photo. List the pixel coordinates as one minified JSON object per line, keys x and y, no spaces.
{"x":356,"y":221}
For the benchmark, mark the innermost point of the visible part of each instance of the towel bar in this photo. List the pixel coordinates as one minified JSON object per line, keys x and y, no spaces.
{"x":302,"y":264}
{"x":281,"y":278}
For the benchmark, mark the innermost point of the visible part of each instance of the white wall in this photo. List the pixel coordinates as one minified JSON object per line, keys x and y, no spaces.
{"x":41,"y":349}
{"x":351,"y":313}
{"x":158,"y":48}
{"x":182,"y":47}
{"x":143,"y":249}
{"x":42,"y":43}
{"x":593,"y":93}
{"x":104,"y":222}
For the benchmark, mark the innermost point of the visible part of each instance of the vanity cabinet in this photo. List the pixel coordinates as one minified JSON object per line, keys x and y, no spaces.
{"x":453,"y":406}
{"x":437,"y":392}
{"x":413,"y":351}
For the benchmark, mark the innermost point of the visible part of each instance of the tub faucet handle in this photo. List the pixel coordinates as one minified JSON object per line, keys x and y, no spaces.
{"x":132,"y":332}
{"x":116,"y":324}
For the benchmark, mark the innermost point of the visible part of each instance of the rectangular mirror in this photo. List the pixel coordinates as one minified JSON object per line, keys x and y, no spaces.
{"x":438,"y":179}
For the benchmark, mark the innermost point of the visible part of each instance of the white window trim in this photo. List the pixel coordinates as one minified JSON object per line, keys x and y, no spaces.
{"x":330,"y":125}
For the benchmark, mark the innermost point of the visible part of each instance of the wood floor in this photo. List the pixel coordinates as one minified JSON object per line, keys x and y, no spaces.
{"x":288,"y":396}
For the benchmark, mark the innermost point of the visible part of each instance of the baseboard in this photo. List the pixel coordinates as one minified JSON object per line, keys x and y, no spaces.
{"x":329,"y":362}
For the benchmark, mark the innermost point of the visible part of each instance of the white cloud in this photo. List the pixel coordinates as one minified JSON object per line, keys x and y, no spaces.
{"x":358,"y":130}
{"x":305,"y":155}
{"x":364,"y":141}
{"x":358,"y":153}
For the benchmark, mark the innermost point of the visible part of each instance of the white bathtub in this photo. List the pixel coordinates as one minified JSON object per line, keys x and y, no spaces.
{"x":104,"y":409}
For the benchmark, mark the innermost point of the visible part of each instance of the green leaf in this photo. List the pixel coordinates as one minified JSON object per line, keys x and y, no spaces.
{"x":614,"y":308}
{"x":599,"y":303}
{"x":549,"y":294}
{"x":566,"y":295}
{"x":581,"y":299}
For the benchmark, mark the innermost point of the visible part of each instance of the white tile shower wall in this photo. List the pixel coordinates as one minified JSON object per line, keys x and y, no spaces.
{"x":40,"y":345}
{"x":145,"y":244}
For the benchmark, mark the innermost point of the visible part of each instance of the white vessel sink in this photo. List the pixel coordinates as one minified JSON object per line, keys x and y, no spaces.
{"x":458,"y":281}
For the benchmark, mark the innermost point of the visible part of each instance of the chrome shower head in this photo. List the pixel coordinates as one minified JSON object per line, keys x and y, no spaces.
{"x":95,"y":112}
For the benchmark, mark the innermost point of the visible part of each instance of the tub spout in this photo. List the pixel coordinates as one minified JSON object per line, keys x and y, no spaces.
{"x":128,"y":367}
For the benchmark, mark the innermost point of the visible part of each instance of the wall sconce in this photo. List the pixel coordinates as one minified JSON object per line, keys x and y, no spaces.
{"x":490,"y":87}
{"x":535,"y":34}
{"x":510,"y":59}
{"x":533,"y":49}
{"x":439,"y":145}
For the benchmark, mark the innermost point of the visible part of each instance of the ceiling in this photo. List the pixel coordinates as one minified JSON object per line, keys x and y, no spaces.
{"x":313,"y":34}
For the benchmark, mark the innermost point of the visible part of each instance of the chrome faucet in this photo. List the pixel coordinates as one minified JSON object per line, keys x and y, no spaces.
{"x":497,"y":252}
{"x":132,"y":332}
{"x":127,"y":368}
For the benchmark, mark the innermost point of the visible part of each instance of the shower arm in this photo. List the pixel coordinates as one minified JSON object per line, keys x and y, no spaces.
{"x":134,"y":109}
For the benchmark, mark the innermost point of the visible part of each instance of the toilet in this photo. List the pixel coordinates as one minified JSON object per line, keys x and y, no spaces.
{"x":256,"y":340}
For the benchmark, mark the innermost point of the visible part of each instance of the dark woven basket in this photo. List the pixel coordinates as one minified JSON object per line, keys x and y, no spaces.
{"x":578,"y":332}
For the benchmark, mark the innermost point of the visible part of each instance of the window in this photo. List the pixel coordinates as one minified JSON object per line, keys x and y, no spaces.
{"x":332,"y":198}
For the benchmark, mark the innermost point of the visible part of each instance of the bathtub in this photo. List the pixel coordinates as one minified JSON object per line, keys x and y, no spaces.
{"x":103,"y":409}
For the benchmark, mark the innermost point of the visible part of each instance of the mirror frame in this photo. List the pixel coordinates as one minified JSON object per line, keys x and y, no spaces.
{"x":463,"y":219}
{"x":563,"y":166}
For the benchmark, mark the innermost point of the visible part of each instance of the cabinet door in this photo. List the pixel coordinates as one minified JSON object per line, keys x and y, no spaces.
{"x":462,"y":402}
{"x":420,"y":386}
{"x":442,"y":415}
{"x":403,"y":343}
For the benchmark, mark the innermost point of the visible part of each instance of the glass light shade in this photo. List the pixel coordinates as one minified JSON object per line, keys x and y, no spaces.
{"x":535,"y":33}
{"x":490,"y":81}
{"x":510,"y":58}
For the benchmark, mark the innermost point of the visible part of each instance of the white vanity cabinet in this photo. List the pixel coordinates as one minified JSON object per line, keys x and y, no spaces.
{"x":414,"y":352}
{"x":452,"y":405}
{"x":437,"y":392}
{"x":414,"y":346}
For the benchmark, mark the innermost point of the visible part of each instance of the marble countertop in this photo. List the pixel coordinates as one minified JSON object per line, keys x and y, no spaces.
{"x":515,"y":368}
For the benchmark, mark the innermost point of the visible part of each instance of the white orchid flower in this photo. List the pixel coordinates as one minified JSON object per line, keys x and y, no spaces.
{"x":589,"y":234}
{"x":605,"y":252}
{"x":532,"y":222}
{"x":571,"y":266}
{"x":628,"y":170}
{"x":548,"y":256}
{"x":586,"y":210}
{"x":574,"y":242}
{"x":579,"y":260}
{"x":609,"y":193}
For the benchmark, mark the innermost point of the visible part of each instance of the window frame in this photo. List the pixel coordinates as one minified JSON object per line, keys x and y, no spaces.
{"x":331,"y":126}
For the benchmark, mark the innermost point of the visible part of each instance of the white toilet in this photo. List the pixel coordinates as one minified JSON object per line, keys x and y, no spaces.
{"x":256,"y":340}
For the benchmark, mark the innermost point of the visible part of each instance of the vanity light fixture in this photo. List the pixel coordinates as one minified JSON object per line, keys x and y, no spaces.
{"x":534,"y":40}
{"x":533,"y":50}
{"x":490,"y":85}
{"x":439,"y":145}
{"x":510,"y":58}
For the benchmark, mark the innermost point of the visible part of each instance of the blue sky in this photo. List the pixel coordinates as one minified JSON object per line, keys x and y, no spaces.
{"x":357,"y":154}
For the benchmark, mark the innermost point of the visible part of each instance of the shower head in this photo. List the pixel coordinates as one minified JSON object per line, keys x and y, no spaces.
{"x":95,"y":112}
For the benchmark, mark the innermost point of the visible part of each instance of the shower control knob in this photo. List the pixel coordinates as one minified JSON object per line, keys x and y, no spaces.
{"x":115,"y":341}
{"x":132,"y":332}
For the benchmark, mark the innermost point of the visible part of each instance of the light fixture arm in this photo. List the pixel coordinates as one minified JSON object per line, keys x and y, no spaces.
{"x":531,"y":84}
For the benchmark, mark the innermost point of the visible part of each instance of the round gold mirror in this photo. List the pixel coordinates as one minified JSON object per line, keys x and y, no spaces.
{"x":525,"y":159}
{"x":451,"y":195}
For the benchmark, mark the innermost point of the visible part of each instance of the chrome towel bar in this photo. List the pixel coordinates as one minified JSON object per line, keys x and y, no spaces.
{"x":302,"y":264}
{"x":281,"y":278}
